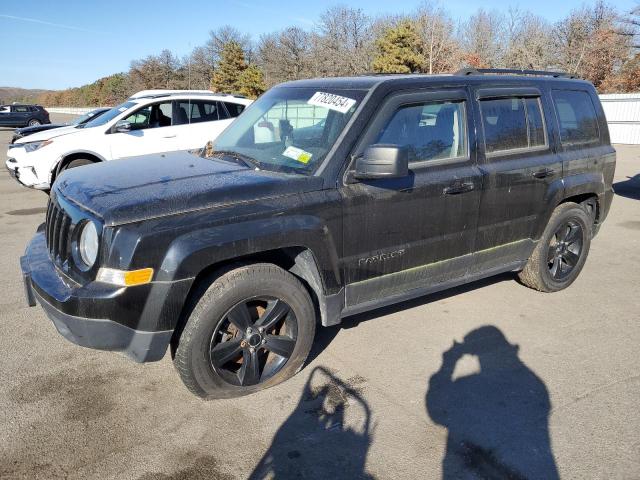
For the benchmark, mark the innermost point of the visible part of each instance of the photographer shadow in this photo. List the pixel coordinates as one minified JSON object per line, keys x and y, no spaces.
{"x":497,"y":418}
{"x":326,"y":436}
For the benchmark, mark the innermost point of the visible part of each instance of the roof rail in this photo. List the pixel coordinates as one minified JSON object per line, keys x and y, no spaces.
{"x":512,"y":71}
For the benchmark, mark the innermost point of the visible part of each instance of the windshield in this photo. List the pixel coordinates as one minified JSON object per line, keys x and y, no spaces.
{"x":109,"y":115}
{"x":86,"y":117}
{"x":289,"y":129}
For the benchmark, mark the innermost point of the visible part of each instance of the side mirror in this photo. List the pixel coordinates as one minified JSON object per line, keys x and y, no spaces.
{"x":383,"y":161}
{"x":123,"y":127}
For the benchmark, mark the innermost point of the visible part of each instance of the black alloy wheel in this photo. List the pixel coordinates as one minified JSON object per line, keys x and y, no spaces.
{"x":565,"y":249}
{"x":253,"y":341}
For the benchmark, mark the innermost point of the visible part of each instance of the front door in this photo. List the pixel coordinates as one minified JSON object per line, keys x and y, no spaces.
{"x":520,"y":168}
{"x":415,"y":232}
{"x":151,"y":132}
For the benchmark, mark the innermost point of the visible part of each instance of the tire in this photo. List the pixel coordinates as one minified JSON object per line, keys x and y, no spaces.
{"x":78,"y":162}
{"x":263,"y":290}
{"x":560,"y":254}
{"x":34,"y":122}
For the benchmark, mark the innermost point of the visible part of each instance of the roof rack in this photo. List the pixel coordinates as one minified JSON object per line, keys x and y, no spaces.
{"x":512,"y":71}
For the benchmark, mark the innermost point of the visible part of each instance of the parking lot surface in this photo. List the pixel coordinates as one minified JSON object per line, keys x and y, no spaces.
{"x":542,"y":385}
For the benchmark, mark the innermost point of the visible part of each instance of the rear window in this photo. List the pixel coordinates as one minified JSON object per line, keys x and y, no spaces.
{"x":234,"y":109}
{"x":576,"y":116}
{"x":512,"y":124}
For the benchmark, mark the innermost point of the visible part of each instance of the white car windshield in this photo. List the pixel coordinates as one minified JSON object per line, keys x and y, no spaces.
{"x":106,"y":117}
{"x":289,"y":129}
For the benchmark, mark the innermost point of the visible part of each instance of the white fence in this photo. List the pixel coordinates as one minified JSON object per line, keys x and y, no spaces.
{"x":70,"y":110}
{"x":622,"y":111}
{"x":623,"y":117}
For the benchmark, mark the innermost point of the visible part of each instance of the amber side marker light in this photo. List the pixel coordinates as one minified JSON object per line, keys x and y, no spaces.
{"x":125,"y":278}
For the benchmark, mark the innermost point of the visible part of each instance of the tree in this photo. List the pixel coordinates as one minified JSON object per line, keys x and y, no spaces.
{"x":251,"y":82}
{"x":343,"y":44}
{"x":528,"y":40}
{"x":482,"y":39}
{"x":398,"y":50}
{"x":228,"y":69}
{"x":285,"y":55}
{"x":439,"y":48}
{"x":591,"y":42}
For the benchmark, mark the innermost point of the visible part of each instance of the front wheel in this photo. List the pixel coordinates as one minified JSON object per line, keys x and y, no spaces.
{"x":561,"y":251}
{"x":251,"y":329}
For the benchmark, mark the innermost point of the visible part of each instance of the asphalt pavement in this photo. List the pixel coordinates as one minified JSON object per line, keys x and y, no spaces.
{"x":540,"y":385}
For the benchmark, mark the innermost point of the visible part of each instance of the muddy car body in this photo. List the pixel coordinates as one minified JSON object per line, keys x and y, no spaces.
{"x":412,"y":184}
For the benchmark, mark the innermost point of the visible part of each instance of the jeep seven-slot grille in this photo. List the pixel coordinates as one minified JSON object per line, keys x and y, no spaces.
{"x":58,"y":224}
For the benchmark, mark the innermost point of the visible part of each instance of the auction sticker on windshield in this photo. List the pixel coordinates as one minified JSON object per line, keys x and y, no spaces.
{"x":332,"y":101}
{"x":297,"y":154}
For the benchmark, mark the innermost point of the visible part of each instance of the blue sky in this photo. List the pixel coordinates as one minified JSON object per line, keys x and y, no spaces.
{"x":60,"y":44}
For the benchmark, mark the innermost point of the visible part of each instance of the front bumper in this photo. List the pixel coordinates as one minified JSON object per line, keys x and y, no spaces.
{"x":26,"y":176}
{"x":68,"y":305}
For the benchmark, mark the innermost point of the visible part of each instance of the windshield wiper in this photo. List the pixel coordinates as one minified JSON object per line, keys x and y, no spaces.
{"x":239,"y":157}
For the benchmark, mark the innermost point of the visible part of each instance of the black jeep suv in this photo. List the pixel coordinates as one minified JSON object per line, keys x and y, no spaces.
{"x":325,"y":198}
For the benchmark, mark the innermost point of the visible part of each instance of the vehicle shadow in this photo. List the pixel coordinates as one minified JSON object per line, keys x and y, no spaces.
{"x":498,"y":418}
{"x":325,"y":335}
{"x":327,"y":435}
{"x":629,"y":188}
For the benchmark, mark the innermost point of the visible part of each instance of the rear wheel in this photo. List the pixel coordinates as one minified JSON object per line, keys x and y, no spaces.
{"x":34,"y":122}
{"x":253,"y":328}
{"x":561,"y":251}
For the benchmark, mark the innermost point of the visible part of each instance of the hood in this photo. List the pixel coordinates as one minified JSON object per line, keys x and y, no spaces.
{"x":138,"y":188}
{"x":51,"y":133}
{"x":40,"y":128}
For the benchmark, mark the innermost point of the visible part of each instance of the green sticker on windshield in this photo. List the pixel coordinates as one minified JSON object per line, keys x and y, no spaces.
{"x":297,"y":154}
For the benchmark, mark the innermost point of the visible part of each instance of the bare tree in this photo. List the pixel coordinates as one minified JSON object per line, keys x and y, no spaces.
{"x":591,"y":42}
{"x":482,"y":39}
{"x":285,"y":55}
{"x":343,"y":44}
{"x":528,"y":41}
{"x":440,"y":48}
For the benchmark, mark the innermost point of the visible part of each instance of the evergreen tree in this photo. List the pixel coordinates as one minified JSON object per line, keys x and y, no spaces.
{"x":251,"y":82}
{"x":398,"y":50}
{"x":226,"y":77}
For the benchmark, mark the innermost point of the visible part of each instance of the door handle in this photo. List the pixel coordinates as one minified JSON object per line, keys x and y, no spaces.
{"x":456,"y":188}
{"x":170,"y":136}
{"x":544,"y":173}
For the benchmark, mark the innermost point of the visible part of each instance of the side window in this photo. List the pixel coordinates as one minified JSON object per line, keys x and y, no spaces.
{"x":512,"y":123}
{"x":576,"y":116}
{"x":234,"y":109}
{"x":433,"y":130}
{"x":198,"y":111}
{"x":21,"y":109}
{"x":151,"y":116}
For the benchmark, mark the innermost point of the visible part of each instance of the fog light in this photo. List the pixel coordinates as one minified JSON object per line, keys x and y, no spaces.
{"x":125,"y":278}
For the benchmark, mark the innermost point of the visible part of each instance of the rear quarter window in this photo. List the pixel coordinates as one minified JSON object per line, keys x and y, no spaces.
{"x":577,"y":117}
{"x":234,"y":109}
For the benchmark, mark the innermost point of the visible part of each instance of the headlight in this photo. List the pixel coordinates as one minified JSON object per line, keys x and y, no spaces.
{"x":33,"y":146}
{"x":88,"y":245}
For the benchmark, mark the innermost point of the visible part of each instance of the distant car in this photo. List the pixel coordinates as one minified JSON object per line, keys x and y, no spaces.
{"x":81,"y":120}
{"x":153,"y":121}
{"x":23,"y":115}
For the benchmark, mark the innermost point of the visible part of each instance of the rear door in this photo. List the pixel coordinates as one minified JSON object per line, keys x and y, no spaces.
{"x":419,"y":231}
{"x":151,"y":132}
{"x":521,"y":172}
{"x":200,"y":121}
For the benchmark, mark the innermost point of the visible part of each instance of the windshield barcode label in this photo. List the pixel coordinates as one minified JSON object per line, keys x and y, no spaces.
{"x":332,"y":102}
